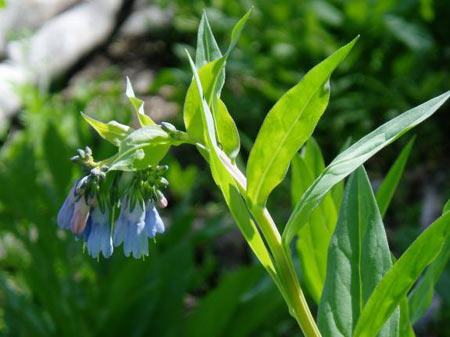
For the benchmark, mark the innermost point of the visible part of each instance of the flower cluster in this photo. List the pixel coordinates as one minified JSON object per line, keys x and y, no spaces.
{"x":88,"y":209}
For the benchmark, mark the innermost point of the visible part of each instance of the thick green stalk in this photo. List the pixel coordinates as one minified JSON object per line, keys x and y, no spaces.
{"x":284,"y":267}
{"x":288,"y":277}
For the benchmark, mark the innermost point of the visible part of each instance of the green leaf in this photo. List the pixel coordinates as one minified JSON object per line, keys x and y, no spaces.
{"x":422,"y":294}
{"x":405,"y":329}
{"x":402,"y":276}
{"x":207,"y":52}
{"x":390,"y":183}
{"x":446,"y":207}
{"x":192,"y":113}
{"x":143,"y":148}
{"x":207,"y":48}
{"x":227,"y":132}
{"x":314,"y":237}
{"x":355,"y":156}
{"x":338,"y":190}
{"x":358,"y":258}
{"x":313,"y":157}
{"x":237,"y":30}
{"x":138,"y":106}
{"x":226,"y":182}
{"x":287,"y":126}
{"x":113,"y":131}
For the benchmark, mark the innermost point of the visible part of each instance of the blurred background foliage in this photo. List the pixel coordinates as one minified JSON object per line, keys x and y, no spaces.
{"x":200,"y":279}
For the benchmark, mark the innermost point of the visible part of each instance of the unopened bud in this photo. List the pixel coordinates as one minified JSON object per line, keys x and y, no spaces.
{"x":81,"y":153}
{"x":161,"y":169}
{"x":163,"y":182}
{"x":88,"y":151}
{"x":162,"y":203}
{"x":75,"y":158}
{"x":168,"y":127}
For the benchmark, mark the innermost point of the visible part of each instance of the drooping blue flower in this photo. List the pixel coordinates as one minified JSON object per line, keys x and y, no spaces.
{"x":66,"y":211}
{"x":129,"y":229}
{"x":99,"y":239}
{"x":153,"y":222}
{"x":87,"y":230}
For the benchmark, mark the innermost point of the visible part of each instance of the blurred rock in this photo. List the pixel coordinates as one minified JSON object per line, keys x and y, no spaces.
{"x":431,"y":204}
{"x":55,"y":47}
{"x":143,"y":80}
{"x":11,"y":75}
{"x":160,"y":109}
{"x":66,"y":38}
{"x":145,"y":20}
{"x":28,"y":14}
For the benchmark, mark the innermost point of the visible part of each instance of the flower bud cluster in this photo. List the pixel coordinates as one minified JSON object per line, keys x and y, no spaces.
{"x":88,"y":208}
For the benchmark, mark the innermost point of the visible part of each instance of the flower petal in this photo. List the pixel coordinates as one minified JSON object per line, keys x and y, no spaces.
{"x":80,"y":216}
{"x":153,"y":222}
{"x":66,"y":211}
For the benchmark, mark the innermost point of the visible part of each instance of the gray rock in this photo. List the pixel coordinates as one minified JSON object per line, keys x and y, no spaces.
{"x":62,"y":41}
{"x":11,"y":76}
{"x":55,"y":47}
{"x":28,"y":14}
{"x":146,"y":19}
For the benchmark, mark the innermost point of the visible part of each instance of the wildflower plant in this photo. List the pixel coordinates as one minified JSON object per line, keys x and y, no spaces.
{"x":345,"y":261}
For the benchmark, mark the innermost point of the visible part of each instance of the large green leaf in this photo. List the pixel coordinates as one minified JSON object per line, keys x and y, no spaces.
{"x":386,"y":190}
{"x":314,"y":237}
{"x":225,"y":180}
{"x":358,"y":258}
{"x":142,"y":148}
{"x":402,"y":276}
{"x":422,"y":294}
{"x":287,"y":126}
{"x":355,"y":156}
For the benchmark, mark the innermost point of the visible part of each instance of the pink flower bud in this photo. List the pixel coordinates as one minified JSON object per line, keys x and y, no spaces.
{"x":162,"y":203}
{"x":80,"y":216}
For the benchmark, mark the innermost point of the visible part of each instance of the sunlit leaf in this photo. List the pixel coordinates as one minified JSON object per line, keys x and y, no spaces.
{"x":142,"y":148}
{"x":314,"y":237}
{"x":113,"y":131}
{"x":138,"y":106}
{"x":287,"y":126}
{"x":225,"y":180}
{"x":355,"y":156}
{"x":208,"y":52}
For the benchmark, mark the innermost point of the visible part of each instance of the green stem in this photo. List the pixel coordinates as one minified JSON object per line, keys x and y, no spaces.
{"x":284,"y":267}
